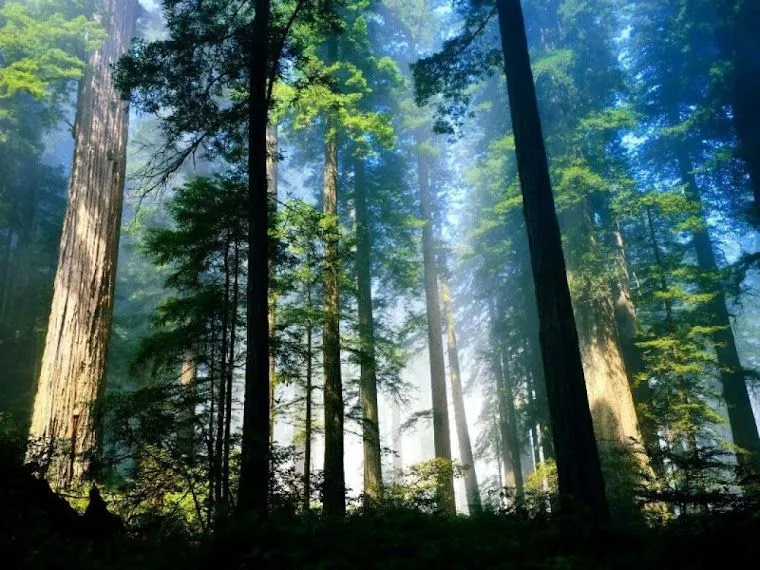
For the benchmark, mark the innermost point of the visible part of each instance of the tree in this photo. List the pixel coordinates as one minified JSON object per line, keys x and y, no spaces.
{"x":370,"y":426}
{"x":73,"y":363}
{"x":578,"y":467}
{"x":255,"y":465}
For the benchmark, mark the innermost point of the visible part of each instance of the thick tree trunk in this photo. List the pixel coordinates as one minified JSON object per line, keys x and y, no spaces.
{"x":73,"y":365}
{"x":334,"y":499}
{"x":627,"y":329}
{"x":578,"y":467}
{"x":441,"y":436}
{"x":471,"y":487}
{"x":739,"y":44}
{"x":254,"y":469}
{"x":740,"y":414}
{"x":368,"y":381}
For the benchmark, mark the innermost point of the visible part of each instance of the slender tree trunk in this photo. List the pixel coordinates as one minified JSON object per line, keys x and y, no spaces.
{"x":73,"y":365}
{"x":373,"y":476}
{"x":223,"y":353}
{"x":472,"y":489}
{"x":398,"y":458}
{"x":308,"y":426}
{"x":186,"y":431}
{"x":732,"y":375}
{"x":230,"y":376}
{"x":254,"y":470}
{"x":578,"y":467}
{"x":334,"y":485}
{"x":507,"y":413}
{"x":272,"y":158}
{"x":441,"y":435}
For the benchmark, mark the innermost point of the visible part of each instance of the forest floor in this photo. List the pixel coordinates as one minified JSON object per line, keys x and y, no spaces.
{"x":39,"y":530}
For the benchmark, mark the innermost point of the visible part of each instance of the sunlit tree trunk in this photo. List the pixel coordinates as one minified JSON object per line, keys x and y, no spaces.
{"x":441,"y":436}
{"x":254,"y":469}
{"x":460,"y":417}
{"x":578,"y":467}
{"x":368,"y":380}
{"x":73,"y":365}
{"x":186,"y":429}
{"x":397,"y":441}
{"x":732,"y":375}
{"x":334,"y":490}
{"x":627,"y":329}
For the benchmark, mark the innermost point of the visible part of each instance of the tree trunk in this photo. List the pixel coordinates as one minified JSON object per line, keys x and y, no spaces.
{"x":334,"y":500}
{"x":186,"y":428}
{"x":460,"y":417}
{"x":740,"y":414}
{"x":510,"y":438}
{"x":73,"y":365}
{"x":627,"y":329}
{"x":578,"y":467}
{"x":224,"y":363}
{"x":254,"y":469}
{"x":441,"y":435}
{"x":613,"y":412}
{"x":398,"y":458}
{"x":308,"y":426}
{"x":368,"y":382}
{"x":739,"y":44}
{"x":272,"y":158}
{"x":231,"y":375}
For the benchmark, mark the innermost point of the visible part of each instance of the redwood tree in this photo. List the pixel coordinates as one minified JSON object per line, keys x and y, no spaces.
{"x":578,"y":467}
{"x":73,"y":364}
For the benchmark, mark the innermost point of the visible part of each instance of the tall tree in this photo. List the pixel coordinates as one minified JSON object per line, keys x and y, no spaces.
{"x":578,"y":467}
{"x":73,"y":364}
{"x":441,"y":435}
{"x":367,"y":355}
{"x":334,"y":485}
{"x":255,"y":465}
{"x":735,"y":23}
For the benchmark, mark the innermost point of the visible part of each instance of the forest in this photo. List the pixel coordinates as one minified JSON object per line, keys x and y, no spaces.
{"x":379,"y":284}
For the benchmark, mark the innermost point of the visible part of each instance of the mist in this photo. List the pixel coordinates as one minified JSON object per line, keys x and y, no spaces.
{"x":320,"y":261}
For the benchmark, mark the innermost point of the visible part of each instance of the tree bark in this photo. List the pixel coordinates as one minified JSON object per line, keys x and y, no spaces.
{"x":441,"y":436}
{"x":739,"y":44}
{"x":578,"y":467}
{"x":254,"y":469}
{"x":272,"y":158}
{"x":472,"y":489}
{"x":186,"y":429}
{"x":334,"y":499}
{"x":628,"y":330}
{"x":308,"y":425}
{"x":370,"y":419}
{"x":73,"y":365}
{"x":732,"y":375}
{"x":510,"y":438}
